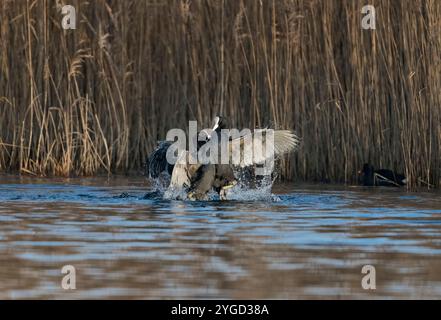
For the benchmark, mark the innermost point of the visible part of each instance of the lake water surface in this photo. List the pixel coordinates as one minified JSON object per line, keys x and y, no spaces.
{"x":312,"y":243}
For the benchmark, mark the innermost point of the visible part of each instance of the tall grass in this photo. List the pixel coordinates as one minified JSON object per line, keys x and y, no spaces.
{"x":96,"y":99}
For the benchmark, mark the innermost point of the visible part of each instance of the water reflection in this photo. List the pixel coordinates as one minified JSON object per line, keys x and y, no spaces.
{"x":310,"y":244}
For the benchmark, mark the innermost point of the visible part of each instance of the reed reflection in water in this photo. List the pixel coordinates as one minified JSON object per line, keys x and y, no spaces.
{"x":312,"y":243}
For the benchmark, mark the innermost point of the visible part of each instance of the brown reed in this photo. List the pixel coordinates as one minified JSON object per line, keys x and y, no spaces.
{"x":96,"y":99}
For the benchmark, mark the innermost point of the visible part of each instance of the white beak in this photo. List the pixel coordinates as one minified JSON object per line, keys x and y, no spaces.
{"x":216,"y":125}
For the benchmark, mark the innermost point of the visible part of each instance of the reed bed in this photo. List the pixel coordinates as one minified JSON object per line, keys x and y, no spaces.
{"x":96,"y":99}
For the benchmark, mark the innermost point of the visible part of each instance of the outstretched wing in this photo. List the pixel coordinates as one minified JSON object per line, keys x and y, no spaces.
{"x":157,"y":161}
{"x":262,"y":145}
{"x":183,"y":171}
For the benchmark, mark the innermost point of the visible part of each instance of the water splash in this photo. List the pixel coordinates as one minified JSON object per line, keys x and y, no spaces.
{"x":255,"y":189}
{"x":175,"y":194}
{"x":249,"y":188}
{"x":159,"y":187}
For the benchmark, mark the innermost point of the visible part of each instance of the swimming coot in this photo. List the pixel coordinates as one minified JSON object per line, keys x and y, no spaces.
{"x":381,"y":177}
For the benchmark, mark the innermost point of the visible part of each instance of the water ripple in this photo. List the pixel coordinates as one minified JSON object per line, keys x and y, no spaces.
{"x":311,"y":243}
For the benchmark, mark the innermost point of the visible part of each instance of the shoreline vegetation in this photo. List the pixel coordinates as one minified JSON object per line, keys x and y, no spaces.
{"x":96,"y":99}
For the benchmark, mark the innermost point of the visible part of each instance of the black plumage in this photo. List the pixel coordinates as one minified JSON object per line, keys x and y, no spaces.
{"x":157,"y":161}
{"x":381,"y":177}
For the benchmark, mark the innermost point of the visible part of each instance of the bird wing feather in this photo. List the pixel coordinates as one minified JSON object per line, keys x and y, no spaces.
{"x":274,"y":143}
{"x":183,"y":171}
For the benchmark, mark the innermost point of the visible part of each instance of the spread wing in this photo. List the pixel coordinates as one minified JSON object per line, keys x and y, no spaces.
{"x":183,"y":171}
{"x":261,"y":146}
{"x":157,"y":161}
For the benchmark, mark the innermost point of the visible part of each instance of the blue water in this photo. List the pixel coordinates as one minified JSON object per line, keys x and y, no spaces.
{"x":310,"y":243}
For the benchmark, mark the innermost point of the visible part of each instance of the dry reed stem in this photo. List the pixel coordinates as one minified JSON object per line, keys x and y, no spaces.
{"x":96,"y":99}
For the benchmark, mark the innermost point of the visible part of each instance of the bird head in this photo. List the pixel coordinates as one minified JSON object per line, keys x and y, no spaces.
{"x":219,"y":123}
